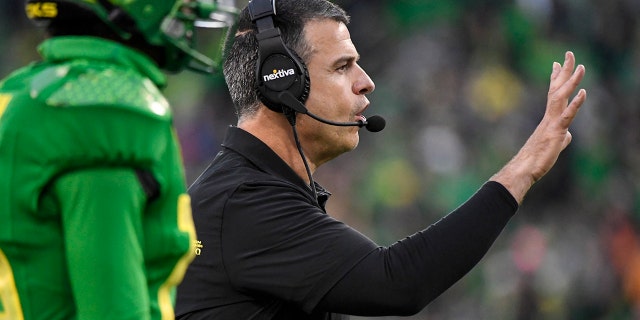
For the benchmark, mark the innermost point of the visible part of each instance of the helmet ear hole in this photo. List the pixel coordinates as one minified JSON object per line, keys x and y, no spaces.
{"x":118,"y":17}
{"x":123,"y":20}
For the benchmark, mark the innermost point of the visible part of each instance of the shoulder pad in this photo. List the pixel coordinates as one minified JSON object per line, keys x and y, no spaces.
{"x":88,"y":86}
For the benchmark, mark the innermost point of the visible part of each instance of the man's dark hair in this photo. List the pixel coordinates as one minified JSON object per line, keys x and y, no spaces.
{"x":240,"y":63}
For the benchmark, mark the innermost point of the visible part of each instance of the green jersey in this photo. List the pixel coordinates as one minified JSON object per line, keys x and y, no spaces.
{"x":95,"y":222}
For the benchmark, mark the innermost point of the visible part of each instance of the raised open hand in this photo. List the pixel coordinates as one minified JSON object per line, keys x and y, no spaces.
{"x":538,"y":155}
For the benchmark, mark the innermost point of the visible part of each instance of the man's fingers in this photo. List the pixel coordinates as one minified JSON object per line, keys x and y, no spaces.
{"x":562,"y":86}
{"x":572,"y":83}
{"x":567,"y":140}
{"x":559,"y":77}
{"x":567,"y":66}
{"x":555,"y":70}
{"x":573,"y":107}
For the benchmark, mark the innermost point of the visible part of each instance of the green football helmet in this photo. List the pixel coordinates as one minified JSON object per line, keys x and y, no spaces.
{"x":170,"y":24}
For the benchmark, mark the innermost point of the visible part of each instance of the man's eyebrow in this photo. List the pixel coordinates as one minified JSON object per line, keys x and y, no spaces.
{"x":346,"y":59}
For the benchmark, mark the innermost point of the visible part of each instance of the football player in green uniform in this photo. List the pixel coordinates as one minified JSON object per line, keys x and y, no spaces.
{"x":95,"y":222}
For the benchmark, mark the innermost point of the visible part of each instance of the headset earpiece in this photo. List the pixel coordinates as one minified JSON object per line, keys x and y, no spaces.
{"x":278,"y":73}
{"x":278,"y":68}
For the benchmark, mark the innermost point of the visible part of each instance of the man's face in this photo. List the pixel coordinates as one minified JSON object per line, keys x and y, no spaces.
{"x":338,"y":88}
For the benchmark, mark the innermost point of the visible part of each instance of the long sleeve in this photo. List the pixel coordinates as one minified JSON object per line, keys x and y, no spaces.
{"x":101,"y":216}
{"x":404,"y":277}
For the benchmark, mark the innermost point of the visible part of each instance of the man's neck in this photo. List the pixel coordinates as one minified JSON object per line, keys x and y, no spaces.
{"x":276,"y":132}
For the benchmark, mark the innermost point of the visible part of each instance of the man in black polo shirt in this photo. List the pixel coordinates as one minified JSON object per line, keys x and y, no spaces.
{"x":266,"y":247}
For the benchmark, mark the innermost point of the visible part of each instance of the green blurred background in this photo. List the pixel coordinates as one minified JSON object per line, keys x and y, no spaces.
{"x":462,"y":84}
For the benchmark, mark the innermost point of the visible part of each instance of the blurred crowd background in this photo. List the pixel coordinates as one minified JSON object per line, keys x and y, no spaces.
{"x":462,"y":84}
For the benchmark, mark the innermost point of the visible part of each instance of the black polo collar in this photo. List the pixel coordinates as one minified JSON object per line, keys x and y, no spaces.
{"x":258,"y":153}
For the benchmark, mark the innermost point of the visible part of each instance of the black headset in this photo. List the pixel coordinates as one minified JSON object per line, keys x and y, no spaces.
{"x":280,"y":73}
{"x":282,"y":77}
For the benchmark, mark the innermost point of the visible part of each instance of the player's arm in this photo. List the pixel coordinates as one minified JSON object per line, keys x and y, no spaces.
{"x":101,"y":220}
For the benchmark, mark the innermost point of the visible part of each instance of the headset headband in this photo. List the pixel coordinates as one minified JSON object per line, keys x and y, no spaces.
{"x":278,"y":68}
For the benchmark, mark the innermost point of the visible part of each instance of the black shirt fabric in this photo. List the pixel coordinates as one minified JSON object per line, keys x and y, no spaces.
{"x":268,"y":250}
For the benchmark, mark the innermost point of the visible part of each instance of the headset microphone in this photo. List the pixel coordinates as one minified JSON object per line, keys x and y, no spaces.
{"x":375,"y":123}
{"x":372,"y":124}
